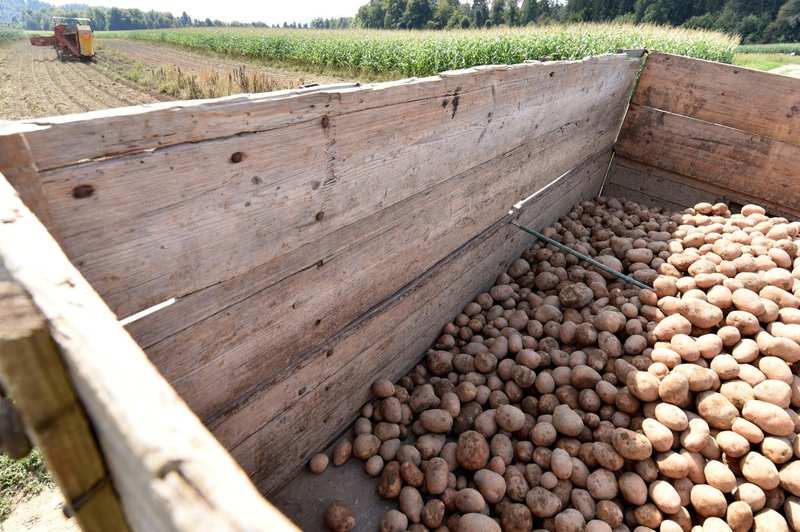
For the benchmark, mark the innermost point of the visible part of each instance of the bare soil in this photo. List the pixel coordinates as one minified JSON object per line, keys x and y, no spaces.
{"x":163,"y":54}
{"x":40,"y":513}
{"x":34,"y":83}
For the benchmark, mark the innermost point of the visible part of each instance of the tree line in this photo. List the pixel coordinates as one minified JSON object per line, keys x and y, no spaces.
{"x":36,"y":15}
{"x":755,"y":20}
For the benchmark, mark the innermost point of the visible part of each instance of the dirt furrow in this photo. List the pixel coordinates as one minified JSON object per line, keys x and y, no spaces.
{"x":165,"y":54}
{"x":83,"y":82}
{"x":34,"y":83}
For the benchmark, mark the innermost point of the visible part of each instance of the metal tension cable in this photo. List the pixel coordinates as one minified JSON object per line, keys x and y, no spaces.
{"x":581,"y":256}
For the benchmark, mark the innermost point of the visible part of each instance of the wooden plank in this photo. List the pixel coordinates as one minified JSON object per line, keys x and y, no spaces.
{"x":390,"y":339}
{"x":17,"y":165}
{"x":759,"y":102}
{"x":70,"y":139}
{"x":206,"y":221}
{"x":259,"y":337}
{"x":170,"y":473}
{"x":34,"y":375}
{"x":741,"y":162}
{"x":654,"y":186}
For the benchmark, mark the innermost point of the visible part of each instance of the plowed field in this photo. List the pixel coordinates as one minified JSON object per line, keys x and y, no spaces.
{"x":34,"y":83}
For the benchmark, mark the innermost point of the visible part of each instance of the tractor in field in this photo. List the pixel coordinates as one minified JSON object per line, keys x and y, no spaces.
{"x":72,"y":38}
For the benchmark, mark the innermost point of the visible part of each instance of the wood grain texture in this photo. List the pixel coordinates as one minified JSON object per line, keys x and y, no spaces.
{"x":174,"y":220}
{"x":389,"y":340}
{"x":168,"y":470}
{"x":741,"y":162}
{"x":16,"y":163}
{"x":653,"y":186}
{"x":759,"y":102}
{"x":65,"y":140}
{"x":253,"y":340}
{"x":33,"y":373}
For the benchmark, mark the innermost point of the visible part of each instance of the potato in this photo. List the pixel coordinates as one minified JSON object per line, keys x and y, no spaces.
{"x":561,"y":464}
{"x":672,"y":465}
{"x":516,"y":518}
{"x":318,"y":463}
{"x":671,"y":416}
{"x":469,"y":500}
{"x":542,"y":503}
{"x":791,"y":510}
{"x":674,"y":389}
{"x":491,"y":485}
{"x":716,"y":410}
{"x":475,"y":522}
{"x":643,"y":385}
{"x":633,"y":488}
{"x":472,"y":452}
{"x":570,"y":520}
{"x":770,"y":418}
{"x":566,"y":421}
{"x":339,"y":517}
{"x":411,"y":503}
{"x":769,"y":521}
{"x":760,"y":471}
{"x":436,"y":475}
{"x":601,"y":484}
{"x":665,"y":496}
{"x":509,"y":418}
{"x":672,"y":325}
{"x":701,"y":313}
{"x":374,"y":466}
{"x":708,"y":501}
{"x":719,"y":476}
{"x":732,"y":444}
{"x":394,"y":521}
{"x":660,"y":436}
{"x":631,"y":445}
{"x":790,"y":478}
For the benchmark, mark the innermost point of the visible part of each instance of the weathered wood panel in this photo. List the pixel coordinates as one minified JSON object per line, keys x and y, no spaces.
{"x":252,"y":340}
{"x":206,"y":219}
{"x":168,"y":470}
{"x":390,"y":339}
{"x":653,"y":186}
{"x":70,"y":139}
{"x":741,"y":162}
{"x":34,"y":375}
{"x":741,"y":98}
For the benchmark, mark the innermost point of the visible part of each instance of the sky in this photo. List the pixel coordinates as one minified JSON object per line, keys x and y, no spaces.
{"x":269,"y":11}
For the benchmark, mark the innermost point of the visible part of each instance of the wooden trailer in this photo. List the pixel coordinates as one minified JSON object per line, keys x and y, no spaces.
{"x":294,"y":246}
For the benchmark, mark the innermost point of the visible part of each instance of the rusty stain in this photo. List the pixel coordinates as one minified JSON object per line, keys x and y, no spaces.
{"x":82,"y":191}
{"x":456,"y":99}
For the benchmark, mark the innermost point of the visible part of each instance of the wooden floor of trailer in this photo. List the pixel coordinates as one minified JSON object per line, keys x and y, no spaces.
{"x":305,"y":498}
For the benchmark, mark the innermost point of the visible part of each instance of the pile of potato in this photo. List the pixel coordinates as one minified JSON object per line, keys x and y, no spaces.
{"x":563,"y":399}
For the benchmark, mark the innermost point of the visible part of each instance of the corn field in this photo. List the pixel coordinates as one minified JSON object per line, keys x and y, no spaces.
{"x":7,"y":34}
{"x":777,"y":48}
{"x":422,"y":53}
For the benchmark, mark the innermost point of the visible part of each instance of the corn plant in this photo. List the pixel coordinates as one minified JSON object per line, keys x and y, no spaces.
{"x":422,"y":53}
